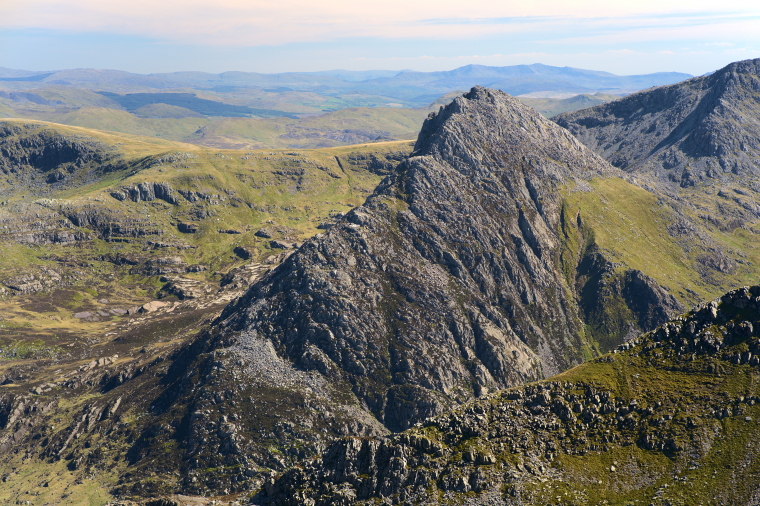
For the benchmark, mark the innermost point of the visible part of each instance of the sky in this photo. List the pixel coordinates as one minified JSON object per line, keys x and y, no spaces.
{"x":149,"y":36}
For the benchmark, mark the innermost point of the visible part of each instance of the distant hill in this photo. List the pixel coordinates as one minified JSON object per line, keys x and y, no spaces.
{"x":552,"y":106}
{"x":134,"y":101}
{"x":336,"y":128}
{"x":165,"y":111}
{"x":416,"y":88}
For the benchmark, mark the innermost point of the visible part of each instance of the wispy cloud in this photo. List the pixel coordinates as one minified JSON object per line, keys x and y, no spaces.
{"x":276,"y":22}
{"x":298,"y":34}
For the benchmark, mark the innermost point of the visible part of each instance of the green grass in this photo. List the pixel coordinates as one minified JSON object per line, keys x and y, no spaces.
{"x":44,"y":483}
{"x":22,"y":350}
{"x":552,"y":106}
{"x":245,"y":133}
{"x":629,"y":224}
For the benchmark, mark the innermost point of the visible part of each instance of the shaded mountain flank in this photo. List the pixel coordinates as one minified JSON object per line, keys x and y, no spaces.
{"x":700,"y":130}
{"x":443,"y":285}
{"x":34,"y":158}
{"x":669,"y":418}
{"x":462,"y":274}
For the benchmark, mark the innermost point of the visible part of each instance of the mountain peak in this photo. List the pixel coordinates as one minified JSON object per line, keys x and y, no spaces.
{"x":443,"y":285}
{"x":453,"y":280}
{"x":486,"y":127}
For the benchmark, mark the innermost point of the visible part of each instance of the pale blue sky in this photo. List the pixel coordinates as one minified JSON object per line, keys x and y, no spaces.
{"x":298,"y":35}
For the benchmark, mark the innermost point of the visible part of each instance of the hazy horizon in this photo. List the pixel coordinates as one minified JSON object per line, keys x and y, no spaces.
{"x":324,"y":71}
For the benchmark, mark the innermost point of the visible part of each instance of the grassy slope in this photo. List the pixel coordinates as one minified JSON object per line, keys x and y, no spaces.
{"x":630,"y":225}
{"x":301,"y":199}
{"x":687,"y":392}
{"x":260,"y":134}
{"x":245,"y":133}
{"x":292,"y":190}
{"x":101,"y":118}
{"x":165,"y":111}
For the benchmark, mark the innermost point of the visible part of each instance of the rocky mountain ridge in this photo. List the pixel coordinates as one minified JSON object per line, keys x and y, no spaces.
{"x":500,"y":252}
{"x":688,"y":133}
{"x":431,"y":243}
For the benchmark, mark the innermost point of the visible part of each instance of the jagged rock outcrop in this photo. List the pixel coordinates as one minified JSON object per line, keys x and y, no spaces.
{"x":44,"y":149}
{"x":656,"y":437}
{"x":107,"y":223}
{"x":444,"y":286}
{"x":699,"y":130}
{"x":145,"y":192}
{"x":616,"y":302}
{"x":378,"y":164}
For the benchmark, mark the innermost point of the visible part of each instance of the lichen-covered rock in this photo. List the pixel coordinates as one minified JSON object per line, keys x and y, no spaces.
{"x":146,"y":192}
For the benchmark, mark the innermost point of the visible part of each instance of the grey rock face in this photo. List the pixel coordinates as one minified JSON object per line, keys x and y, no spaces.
{"x":447,"y":284}
{"x":41,"y":160}
{"x":146,"y":192}
{"x":604,"y":292}
{"x":443,"y":286}
{"x":684,"y":133}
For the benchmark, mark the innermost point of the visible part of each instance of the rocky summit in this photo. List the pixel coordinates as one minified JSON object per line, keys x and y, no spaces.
{"x":669,"y":418}
{"x":702,"y":129}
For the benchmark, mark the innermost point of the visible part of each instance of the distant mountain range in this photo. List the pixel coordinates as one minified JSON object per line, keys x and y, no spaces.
{"x":197,"y":107}
{"x":416,"y":88}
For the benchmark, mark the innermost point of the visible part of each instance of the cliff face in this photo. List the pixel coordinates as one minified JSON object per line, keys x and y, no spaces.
{"x":699,"y":130}
{"x":39,"y":160}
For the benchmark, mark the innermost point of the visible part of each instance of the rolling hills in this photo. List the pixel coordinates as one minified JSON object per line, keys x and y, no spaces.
{"x":416,"y":89}
{"x":342,"y":127}
{"x":381,"y":105}
{"x":339,"y":128}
